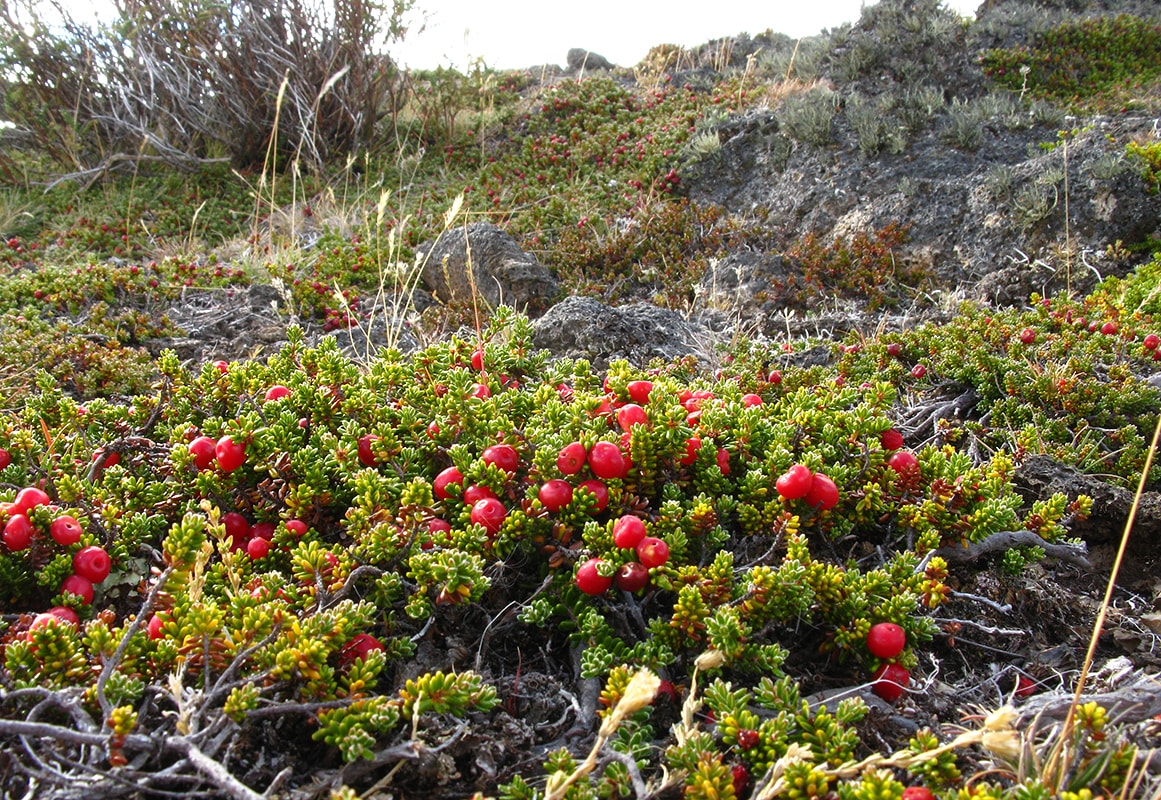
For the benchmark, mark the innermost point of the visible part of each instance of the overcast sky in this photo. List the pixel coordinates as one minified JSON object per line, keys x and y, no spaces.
{"x":510,"y":34}
{"x":524,"y":33}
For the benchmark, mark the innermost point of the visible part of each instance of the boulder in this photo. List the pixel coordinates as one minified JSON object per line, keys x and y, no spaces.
{"x":580,"y":59}
{"x":581,"y":327}
{"x":501,"y":273}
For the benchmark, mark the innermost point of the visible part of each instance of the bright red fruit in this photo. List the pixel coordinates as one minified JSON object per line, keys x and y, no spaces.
{"x":748,"y":738}
{"x":64,"y":614}
{"x":823,"y":493}
{"x":918,"y":793}
{"x":1110,"y":328}
{"x":276,"y":392}
{"x":886,"y":640}
{"x":751,"y":400}
{"x":29,"y":498}
{"x":795,"y":482}
{"x":93,"y":563}
{"x":919,"y":371}
{"x":480,"y":391}
{"x":358,"y":648}
{"x":639,"y":391}
{"x":490,"y":513}
{"x":775,"y":377}
{"x":589,"y":580}
{"x":297,"y":527}
{"x":5,"y":458}
{"x":599,"y":491}
{"x":1028,"y":336}
{"x":258,"y":548}
{"x":904,"y":462}
{"x":891,"y":439}
{"x":366,"y":455}
{"x":607,"y":461}
{"x":890,"y":681}
{"x":65,"y":530}
{"x":237,"y":528}
{"x":263,"y":530}
{"x":692,"y":445}
{"x":503,"y":456}
{"x":444,"y":479}
{"x":628,"y":531}
{"x":723,"y":459}
{"x":652,"y":552}
{"x":475,"y":493}
{"x":572,"y":458}
{"x":894,"y":349}
{"x":631,"y":576}
{"x":17,"y":532}
{"x":1152,"y":341}
{"x":203,"y":449}
{"x":1025,"y":686}
{"x":478,"y":359}
{"x":222,"y":366}
{"x":555,"y":494}
{"x":631,"y":414}
{"x":54,"y":616}
{"x":78,"y":585}
{"x":740,"y":776}
{"x":153,"y":627}
{"x":230,"y":454}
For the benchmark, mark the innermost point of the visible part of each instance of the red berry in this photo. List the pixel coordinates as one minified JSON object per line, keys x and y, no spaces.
{"x":1027,"y":336}
{"x":18,"y":532}
{"x":905,"y":464}
{"x":93,"y":563}
{"x":886,"y":640}
{"x":555,"y":494}
{"x":890,"y":681}
{"x":631,"y":414}
{"x":480,"y":391}
{"x":599,"y":491}
{"x":297,"y":527}
{"x":153,"y":627}
{"x":230,"y":454}
{"x":607,"y":461}
{"x":748,"y":739}
{"x":1152,"y":341}
{"x":652,"y":552}
{"x":475,"y":493}
{"x":29,"y":498}
{"x":489,"y":513}
{"x":894,"y":349}
{"x":692,"y":445}
{"x":741,"y":778}
{"x":918,"y":793}
{"x":775,"y":377}
{"x":639,"y":391}
{"x":222,"y":366}
{"x":795,"y":482}
{"x":357,"y":649}
{"x":237,"y":529}
{"x":891,"y":439}
{"x":572,"y":457}
{"x":78,"y":585}
{"x":631,"y":576}
{"x":5,"y":458}
{"x":823,"y":493}
{"x":258,"y":548}
{"x":444,"y":479}
{"x":1110,"y":328}
{"x":723,"y":459}
{"x":65,"y":530}
{"x":276,"y":392}
{"x":203,"y":450}
{"x":628,"y":531}
{"x":589,"y":580}
{"x":919,"y":370}
{"x":478,"y":359}
{"x":503,"y":456}
{"x":64,"y":614}
{"x":751,"y":400}
{"x":367,"y":456}
{"x":1025,"y":686}
{"x":263,"y":530}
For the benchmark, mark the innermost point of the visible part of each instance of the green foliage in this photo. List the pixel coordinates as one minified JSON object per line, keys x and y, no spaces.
{"x":1148,"y":155}
{"x":1101,"y":63}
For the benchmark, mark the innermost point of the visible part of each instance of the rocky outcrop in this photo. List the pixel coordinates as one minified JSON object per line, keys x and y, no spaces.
{"x":580,"y":59}
{"x":482,"y":260}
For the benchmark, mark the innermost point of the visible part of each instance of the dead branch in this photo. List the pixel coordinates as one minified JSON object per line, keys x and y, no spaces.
{"x":1005,"y":540}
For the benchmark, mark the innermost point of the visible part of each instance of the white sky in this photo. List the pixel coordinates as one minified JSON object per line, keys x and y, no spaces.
{"x":524,"y":33}
{"x":510,"y":34}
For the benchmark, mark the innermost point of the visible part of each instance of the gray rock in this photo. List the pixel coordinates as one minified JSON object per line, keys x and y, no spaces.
{"x":501,"y":273}
{"x":578,"y":58}
{"x":581,"y":327}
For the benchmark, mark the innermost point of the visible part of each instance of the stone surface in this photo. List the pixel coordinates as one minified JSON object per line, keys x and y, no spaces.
{"x":578,"y":58}
{"x":501,"y":273}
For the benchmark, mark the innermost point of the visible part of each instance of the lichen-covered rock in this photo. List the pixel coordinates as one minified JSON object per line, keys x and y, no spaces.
{"x":579,"y":58}
{"x":500,"y":271}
